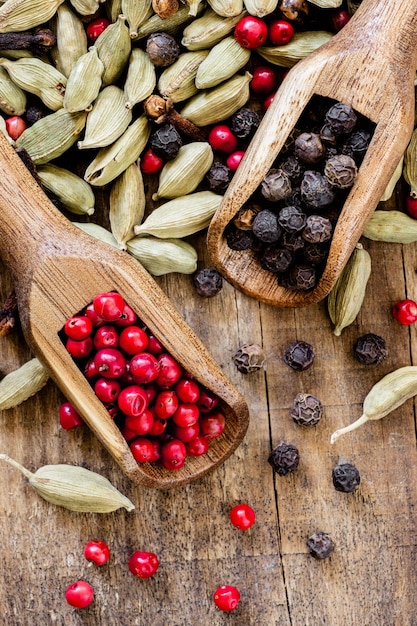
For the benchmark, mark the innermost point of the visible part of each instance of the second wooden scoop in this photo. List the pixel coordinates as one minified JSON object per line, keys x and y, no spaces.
{"x":370,"y":64}
{"x":57,"y":270}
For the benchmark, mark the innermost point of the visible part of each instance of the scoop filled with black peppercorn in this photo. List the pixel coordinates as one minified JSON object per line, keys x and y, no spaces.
{"x":349,"y":127}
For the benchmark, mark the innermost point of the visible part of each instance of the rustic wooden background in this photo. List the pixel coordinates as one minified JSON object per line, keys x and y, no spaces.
{"x":371,"y":579}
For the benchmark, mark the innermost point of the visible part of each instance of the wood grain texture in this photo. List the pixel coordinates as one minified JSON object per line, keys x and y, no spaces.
{"x":370,"y":64}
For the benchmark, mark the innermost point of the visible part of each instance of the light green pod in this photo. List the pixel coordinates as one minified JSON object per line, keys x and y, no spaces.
{"x":98,"y":232}
{"x":39,"y":78}
{"x":140,"y":79}
{"x":182,"y":175}
{"x":107,"y":120}
{"x":71,"y":39}
{"x":12,"y":98}
{"x":85,"y":7}
{"x":163,"y":256}
{"x":224,"y":60}
{"x":226,"y":8}
{"x":171,"y":25}
{"x":19,"y":15}
{"x":209,"y":29}
{"x":127,"y":203}
{"x":136,"y":13}
{"x":75,"y":194}
{"x":84,"y":82}
{"x":300,"y":46}
{"x":114,"y":47}
{"x":177,"y":81}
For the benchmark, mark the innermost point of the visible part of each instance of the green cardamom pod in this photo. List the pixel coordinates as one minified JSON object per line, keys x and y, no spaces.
{"x":19,"y":15}
{"x":74,"y":488}
{"x":140,"y":78}
{"x":84,"y":82}
{"x":127,"y":204}
{"x":38,"y":78}
{"x":194,"y":6}
{"x":177,"y":81}
{"x":136,"y":13}
{"x":182,"y":175}
{"x":171,"y":25}
{"x":98,"y":232}
{"x":345,"y":299}
{"x":114,"y":47}
{"x":22,"y":383}
{"x":211,"y":106}
{"x":52,"y":135}
{"x":182,"y":216}
{"x":107,"y":120}
{"x":261,"y":8}
{"x":71,"y":39}
{"x":12,"y":98}
{"x":224,"y":60}
{"x":209,"y":29}
{"x":113,"y":9}
{"x":163,"y":256}
{"x":86,"y":7}
{"x":391,"y":227}
{"x":72,"y":191}
{"x":226,"y":8}
{"x":300,"y":46}
{"x":111,"y":161}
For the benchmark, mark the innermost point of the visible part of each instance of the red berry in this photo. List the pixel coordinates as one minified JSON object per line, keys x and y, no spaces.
{"x":79,"y":594}
{"x":411,"y":206}
{"x":106,"y":337}
{"x":68,"y":417}
{"x":186,"y":434}
{"x":92,"y":315}
{"x":90,"y":369}
{"x":133,"y":340}
{"x":339,"y":19}
{"x":109,"y":306}
{"x":113,"y":409}
{"x":207,"y":401}
{"x":144,"y":367}
{"x":151,"y":390}
{"x":234,"y":159}
{"x":78,"y":327}
{"x":186,"y":415}
{"x":155,"y":346}
{"x":226,"y":597}
{"x":221,"y":138}
{"x":212,"y":425}
{"x":251,"y":32}
{"x":79,"y":349}
{"x":268,"y":101}
{"x":264,"y":80}
{"x":156,"y":450}
{"x":169,"y":371}
{"x":198,"y":446}
{"x":173,"y":454}
{"x":158,"y":427}
{"x":166,"y":403}
{"x":143,"y":564}
{"x":15,"y":126}
{"x":127,"y":318}
{"x":132,"y":400}
{"x":242,"y":516}
{"x":187,"y":390}
{"x":110,"y":363}
{"x":127,"y":434}
{"x":107,"y":389}
{"x":96,"y":27}
{"x":280,"y":32}
{"x":140,"y":424}
{"x":97,"y":551}
{"x":151,"y":163}
{"x":405,"y":312}
{"x":141,"y":449}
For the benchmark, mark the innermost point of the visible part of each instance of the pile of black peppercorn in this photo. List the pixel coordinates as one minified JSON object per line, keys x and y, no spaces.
{"x":295,"y":209}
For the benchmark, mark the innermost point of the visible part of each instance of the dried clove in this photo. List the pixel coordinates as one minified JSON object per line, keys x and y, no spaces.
{"x":162,"y":111}
{"x":38,"y":42}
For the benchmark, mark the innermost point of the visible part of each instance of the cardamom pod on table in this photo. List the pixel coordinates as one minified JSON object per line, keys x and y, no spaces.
{"x":13,"y":99}
{"x":391,"y":227}
{"x":22,"y":383}
{"x":114,"y":46}
{"x":226,"y":8}
{"x":39,"y":78}
{"x":261,"y":8}
{"x":171,"y":25}
{"x":18,"y":15}
{"x":136,"y":13}
{"x":140,"y":78}
{"x":163,"y":256}
{"x":182,"y":175}
{"x":177,"y":81}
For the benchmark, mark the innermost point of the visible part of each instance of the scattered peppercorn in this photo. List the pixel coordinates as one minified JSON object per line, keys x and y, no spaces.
{"x":219,"y":177}
{"x":162,"y":49}
{"x":244,"y":123}
{"x":370,"y":349}
{"x":306,"y":409}
{"x":284,"y":458}
{"x":320,"y":545}
{"x":207,"y":282}
{"x":299,"y":355}
{"x":249,"y":358}
{"x":346,"y":477}
{"x":165,"y":142}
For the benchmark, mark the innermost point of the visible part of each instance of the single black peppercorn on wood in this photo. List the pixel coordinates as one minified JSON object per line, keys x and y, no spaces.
{"x":346,"y":477}
{"x":207,"y":282}
{"x":320,"y":545}
{"x":370,"y":349}
{"x":306,"y":409}
{"x":299,"y":355}
{"x":284,"y":458}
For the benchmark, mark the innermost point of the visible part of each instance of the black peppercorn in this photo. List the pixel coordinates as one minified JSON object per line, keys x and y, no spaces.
{"x":327,"y":136}
{"x":219,"y":177}
{"x":207,"y":282}
{"x":292,"y":219}
{"x":249,"y":358}
{"x":238,"y":239}
{"x":341,"y":171}
{"x":162,"y":49}
{"x":320,"y":545}
{"x":276,"y":259}
{"x":35,"y":113}
{"x":357,"y":144}
{"x":293,"y":168}
{"x":302,"y":276}
{"x":316,"y":190}
{"x":265,"y":226}
{"x":166,"y":142}
{"x":318,"y":229}
{"x":244,"y":123}
{"x":346,"y":477}
{"x":309,"y":148}
{"x":284,"y":458}
{"x":299,"y":355}
{"x":292,"y":241}
{"x":370,"y":349}
{"x":341,"y":118}
{"x":315,"y":252}
{"x":276,"y":185}
{"x":306,"y":409}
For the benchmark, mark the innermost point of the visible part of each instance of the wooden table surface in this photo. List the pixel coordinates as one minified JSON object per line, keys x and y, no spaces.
{"x":371,"y":578}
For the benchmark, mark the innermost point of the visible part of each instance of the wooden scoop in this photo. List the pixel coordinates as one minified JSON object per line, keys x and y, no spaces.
{"x":371,"y":65}
{"x":57,"y":270}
